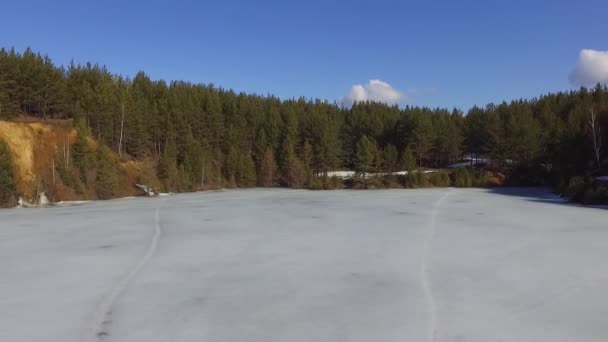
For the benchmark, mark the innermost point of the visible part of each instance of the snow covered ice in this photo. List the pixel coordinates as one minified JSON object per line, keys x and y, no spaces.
{"x":283,"y":265}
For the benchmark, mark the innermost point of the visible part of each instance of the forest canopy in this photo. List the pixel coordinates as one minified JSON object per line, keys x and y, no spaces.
{"x":199,"y":134}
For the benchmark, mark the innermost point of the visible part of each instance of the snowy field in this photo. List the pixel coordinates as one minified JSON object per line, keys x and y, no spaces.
{"x":279,"y":265}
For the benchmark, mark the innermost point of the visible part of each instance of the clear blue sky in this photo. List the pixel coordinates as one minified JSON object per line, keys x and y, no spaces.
{"x":439,"y":53}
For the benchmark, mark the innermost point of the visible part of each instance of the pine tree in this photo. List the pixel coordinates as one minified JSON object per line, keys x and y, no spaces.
{"x":167,"y":167}
{"x":423,"y":138}
{"x":261,"y":144}
{"x":233,"y":164}
{"x":106,"y":182}
{"x":268,"y":169}
{"x":213,"y":119}
{"x":247,"y":176}
{"x":307,"y":163}
{"x":288,"y":160}
{"x":328,"y":149}
{"x":391,"y":158}
{"x":83,"y":158}
{"x":290,"y":134}
{"x":7,"y":177}
{"x":201,"y":136}
{"x":296,"y":177}
{"x":408,"y":161}
{"x":367,"y":154}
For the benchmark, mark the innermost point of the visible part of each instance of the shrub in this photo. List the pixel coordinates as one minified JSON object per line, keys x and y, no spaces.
{"x":333,"y":183}
{"x":421,"y":179}
{"x":439,"y":179}
{"x":326,"y":183}
{"x":414,"y":179}
{"x":528,"y":174}
{"x":461,"y":178}
{"x":587,"y":191}
{"x":595,"y":195}
{"x":391,"y":182}
{"x":481,"y":178}
{"x":575,"y":189}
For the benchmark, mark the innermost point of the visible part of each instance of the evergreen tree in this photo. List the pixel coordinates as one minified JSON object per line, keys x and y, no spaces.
{"x":83,"y":158}
{"x":261,"y":144}
{"x":247,"y":175}
{"x":268,"y":169}
{"x":408,"y":161}
{"x":201,"y":136}
{"x":167,"y":167}
{"x":296,"y":176}
{"x":367,"y":153}
{"x":423,"y":138}
{"x":213,"y":122}
{"x":307,"y":163}
{"x":106,"y":182}
{"x":233,"y":164}
{"x":391,"y":158}
{"x":7,"y":177}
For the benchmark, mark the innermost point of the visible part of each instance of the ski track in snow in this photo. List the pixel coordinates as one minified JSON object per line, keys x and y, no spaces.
{"x":425,"y":277}
{"x":103,"y":314}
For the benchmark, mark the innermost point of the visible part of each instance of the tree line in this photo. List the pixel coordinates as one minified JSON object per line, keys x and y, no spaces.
{"x":200,"y":135}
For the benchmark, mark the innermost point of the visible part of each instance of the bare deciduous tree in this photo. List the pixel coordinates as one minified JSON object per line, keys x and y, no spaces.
{"x":596,"y":135}
{"x":122,"y":125}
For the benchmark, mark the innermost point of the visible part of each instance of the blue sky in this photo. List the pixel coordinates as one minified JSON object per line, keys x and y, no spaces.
{"x":433,"y":53}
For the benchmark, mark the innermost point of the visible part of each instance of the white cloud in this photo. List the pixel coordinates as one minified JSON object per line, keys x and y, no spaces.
{"x":374,"y":90}
{"x":592,"y":67}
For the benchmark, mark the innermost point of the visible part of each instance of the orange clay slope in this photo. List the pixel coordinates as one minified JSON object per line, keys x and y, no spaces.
{"x":33,"y":146}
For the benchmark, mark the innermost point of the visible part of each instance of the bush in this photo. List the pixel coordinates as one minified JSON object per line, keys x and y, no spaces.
{"x":587,"y":191}
{"x":439,"y":179}
{"x":333,"y":183}
{"x":326,"y":183}
{"x":596,"y":195}
{"x":461,"y":178}
{"x":391,"y":182}
{"x":421,"y":179}
{"x":316,"y":183}
{"x":528,"y":174}
{"x":481,"y":178}
{"x":403,"y":180}
{"x":575,"y":189}
{"x":414,"y":179}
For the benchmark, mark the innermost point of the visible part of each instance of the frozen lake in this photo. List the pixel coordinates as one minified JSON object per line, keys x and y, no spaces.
{"x":280,"y":265}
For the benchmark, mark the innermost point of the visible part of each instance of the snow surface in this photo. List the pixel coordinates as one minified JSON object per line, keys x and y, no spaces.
{"x":351,"y":174}
{"x":469,"y":163}
{"x":279,"y":265}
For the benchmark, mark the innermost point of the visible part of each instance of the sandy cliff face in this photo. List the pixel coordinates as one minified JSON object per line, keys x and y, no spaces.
{"x":33,"y":146}
{"x":38,"y":148}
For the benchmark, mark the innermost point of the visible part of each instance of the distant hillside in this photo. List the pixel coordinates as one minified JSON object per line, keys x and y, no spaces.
{"x":188,"y":137}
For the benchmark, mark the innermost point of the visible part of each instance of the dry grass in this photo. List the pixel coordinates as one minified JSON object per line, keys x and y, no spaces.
{"x":33,"y":146}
